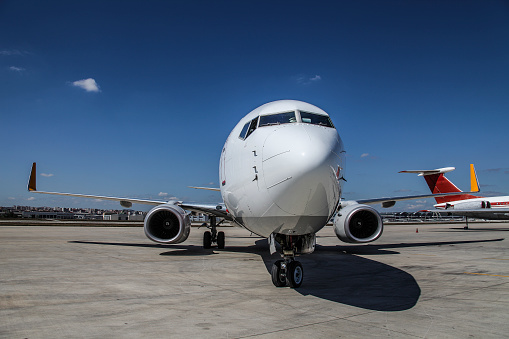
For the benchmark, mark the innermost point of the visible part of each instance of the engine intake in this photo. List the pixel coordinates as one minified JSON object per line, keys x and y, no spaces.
{"x":167,"y":224}
{"x":358,"y":224}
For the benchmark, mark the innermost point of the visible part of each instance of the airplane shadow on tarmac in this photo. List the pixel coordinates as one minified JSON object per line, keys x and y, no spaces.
{"x":332,"y":274}
{"x":336,"y":273}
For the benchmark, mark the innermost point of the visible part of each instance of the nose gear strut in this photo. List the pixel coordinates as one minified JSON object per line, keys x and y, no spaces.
{"x":287,"y":272}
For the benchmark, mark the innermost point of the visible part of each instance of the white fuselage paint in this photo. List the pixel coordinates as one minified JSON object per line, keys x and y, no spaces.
{"x":282,"y":178}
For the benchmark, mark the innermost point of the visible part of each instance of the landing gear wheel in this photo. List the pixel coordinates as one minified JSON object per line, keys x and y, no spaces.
{"x":220,"y":240}
{"x":294,"y":274}
{"x":207,"y":239}
{"x":277,"y":279}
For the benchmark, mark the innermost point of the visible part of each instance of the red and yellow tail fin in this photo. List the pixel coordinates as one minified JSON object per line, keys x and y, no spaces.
{"x":474,"y":183}
{"x":438,"y":183}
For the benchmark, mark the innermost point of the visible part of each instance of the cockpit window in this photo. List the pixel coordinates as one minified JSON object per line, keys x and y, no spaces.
{"x":244,"y":130}
{"x":316,"y":119}
{"x":277,"y":119}
{"x":252,"y":126}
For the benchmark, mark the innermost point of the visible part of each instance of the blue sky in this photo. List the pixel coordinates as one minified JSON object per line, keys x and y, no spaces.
{"x":408,"y":84}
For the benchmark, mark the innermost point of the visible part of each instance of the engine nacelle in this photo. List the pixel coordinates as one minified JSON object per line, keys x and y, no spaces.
{"x":358,"y":224}
{"x":167,"y":224}
{"x":470,"y":205}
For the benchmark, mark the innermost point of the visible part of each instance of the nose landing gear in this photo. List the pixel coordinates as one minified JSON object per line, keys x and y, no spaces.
{"x":288,"y":271}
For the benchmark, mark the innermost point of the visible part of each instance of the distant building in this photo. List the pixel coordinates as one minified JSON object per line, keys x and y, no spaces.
{"x":198,"y":217}
{"x":47,"y":215}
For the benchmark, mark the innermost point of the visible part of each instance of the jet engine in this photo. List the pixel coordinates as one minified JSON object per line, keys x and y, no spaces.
{"x":358,"y":224}
{"x":469,"y":205}
{"x":167,"y":224}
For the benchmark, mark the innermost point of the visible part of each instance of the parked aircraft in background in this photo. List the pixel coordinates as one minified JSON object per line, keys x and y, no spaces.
{"x":281,"y":174}
{"x":464,"y":204}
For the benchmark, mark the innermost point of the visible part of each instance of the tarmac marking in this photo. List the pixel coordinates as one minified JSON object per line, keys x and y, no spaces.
{"x":494,"y":259}
{"x":491,"y":275}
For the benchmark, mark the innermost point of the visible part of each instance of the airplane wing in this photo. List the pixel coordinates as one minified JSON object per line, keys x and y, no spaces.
{"x":216,"y":209}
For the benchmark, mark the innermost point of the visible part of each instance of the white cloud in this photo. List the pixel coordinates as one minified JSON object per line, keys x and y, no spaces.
{"x":363,"y":155}
{"x":11,"y":198}
{"x":31,"y":198}
{"x":47,"y":174}
{"x":306,"y":80}
{"x":163,"y":194}
{"x":413,"y":207}
{"x":16,"y":69}
{"x":10,"y":52}
{"x":88,"y":85}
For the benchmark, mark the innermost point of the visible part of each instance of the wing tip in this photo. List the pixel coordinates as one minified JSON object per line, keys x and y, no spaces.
{"x":32,"y":180}
{"x":206,"y":188}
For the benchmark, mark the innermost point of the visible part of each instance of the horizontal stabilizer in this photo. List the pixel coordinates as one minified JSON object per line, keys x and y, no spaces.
{"x":430,"y":172}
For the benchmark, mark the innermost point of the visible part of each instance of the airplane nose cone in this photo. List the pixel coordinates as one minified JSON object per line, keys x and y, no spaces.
{"x":299,"y":169}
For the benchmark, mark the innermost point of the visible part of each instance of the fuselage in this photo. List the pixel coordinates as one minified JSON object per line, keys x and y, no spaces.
{"x":281,"y":169}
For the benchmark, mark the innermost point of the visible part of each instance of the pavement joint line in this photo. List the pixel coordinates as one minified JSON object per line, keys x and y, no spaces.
{"x":491,"y":275}
{"x":462,"y":292}
{"x":494,"y":259}
{"x":335,"y":318}
{"x":425,"y":255}
{"x":347,"y":318}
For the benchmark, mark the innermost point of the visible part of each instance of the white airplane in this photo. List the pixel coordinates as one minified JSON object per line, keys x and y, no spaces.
{"x":281,"y":175}
{"x":464,"y":204}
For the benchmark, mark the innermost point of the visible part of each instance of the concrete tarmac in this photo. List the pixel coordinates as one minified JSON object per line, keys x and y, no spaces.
{"x":96,"y":282}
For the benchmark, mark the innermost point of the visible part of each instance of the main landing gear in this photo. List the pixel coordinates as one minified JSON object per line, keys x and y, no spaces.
{"x":213,"y":236}
{"x":288,"y":272}
{"x":466,"y":226}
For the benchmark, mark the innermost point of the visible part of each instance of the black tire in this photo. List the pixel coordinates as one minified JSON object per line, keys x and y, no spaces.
{"x":294,"y":274}
{"x":207,"y":239}
{"x":220,"y":240}
{"x":277,"y":280}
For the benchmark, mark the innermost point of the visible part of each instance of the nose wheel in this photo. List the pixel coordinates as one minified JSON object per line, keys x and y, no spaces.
{"x":287,"y":272}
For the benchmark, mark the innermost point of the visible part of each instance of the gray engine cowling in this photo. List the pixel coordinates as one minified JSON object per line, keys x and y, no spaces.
{"x":167,"y":224}
{"x":358,"y":224}
{"x":469,"y":205}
